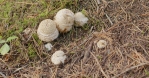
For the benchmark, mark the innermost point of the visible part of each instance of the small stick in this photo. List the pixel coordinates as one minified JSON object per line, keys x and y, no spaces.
{"x":99,"y":66}
{"x":144,"y":50}
{"x":3,"y":75}
{"x":98,"y":1}
{"x":55,"y":73}
{"x":128,"y":69}
{"x":109,"y":19}
{"x":31,"y":33}
{"x":19,"y":68}
{"x":26,"y":3}
{"x":87,"y":52}
{"x":105,"y":2}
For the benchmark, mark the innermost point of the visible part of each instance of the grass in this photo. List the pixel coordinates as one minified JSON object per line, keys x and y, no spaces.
{"x":147,"y":73}
{"x":31,"y":51}
{"x":18,"y":15}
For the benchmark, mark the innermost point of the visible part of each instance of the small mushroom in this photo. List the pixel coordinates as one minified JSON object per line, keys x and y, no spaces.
{"x":47,"y":30}
{"x":58,"y":57}
{"x":80,"y":19}
{"x":48,"y":46}
{"x":64,"y":20}
{"x":101,"y":44}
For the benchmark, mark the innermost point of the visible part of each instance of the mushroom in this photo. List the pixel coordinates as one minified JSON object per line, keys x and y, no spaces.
{"x":48,"y":46}
{"x":80,"y":19}
{"x":64,"y":20}
{"x":58,"y":57}
{"x":101,"y":44}
{"x":47,"y":30}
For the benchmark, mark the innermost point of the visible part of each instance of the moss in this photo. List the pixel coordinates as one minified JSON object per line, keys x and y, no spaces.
{"x":35,"y":36}
{"x":147,"y":73}
{"x":99,"y":57}
{"x":31,"y":51}
{"x":86,"y":27}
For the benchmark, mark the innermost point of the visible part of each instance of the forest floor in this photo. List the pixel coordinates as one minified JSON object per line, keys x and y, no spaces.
{"x":124,"y":24}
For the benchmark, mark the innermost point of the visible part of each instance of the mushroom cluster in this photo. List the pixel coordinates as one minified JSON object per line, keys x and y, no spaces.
{"x":64,"y":19}
{"x":49,"y":30}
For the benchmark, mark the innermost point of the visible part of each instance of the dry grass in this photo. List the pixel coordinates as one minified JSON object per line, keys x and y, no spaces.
{"x":122,"y":23}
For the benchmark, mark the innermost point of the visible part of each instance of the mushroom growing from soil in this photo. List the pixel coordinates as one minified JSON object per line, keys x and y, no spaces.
{"x":101,"y":44}
{"x":80,"y":19}
{"x":64,"y":20}
{"x":48,"y":46}
{"x":47,"y":30}
{"x":58,"y":57}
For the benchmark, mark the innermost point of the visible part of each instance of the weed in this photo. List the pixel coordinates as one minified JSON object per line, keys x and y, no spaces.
{"x":31,"y":51}
{"x":5,"y":48}
{"x":35,"y":36}
{"x":86,"y":27}
{"x":99,"y":57}
{"x":147,"y":73}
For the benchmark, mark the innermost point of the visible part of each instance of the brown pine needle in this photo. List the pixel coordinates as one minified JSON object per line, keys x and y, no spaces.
{"x":128,"y":69}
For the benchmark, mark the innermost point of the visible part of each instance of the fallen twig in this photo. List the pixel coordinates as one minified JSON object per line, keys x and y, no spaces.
{"x":55,"y":73}
{"x":98,"y":1}
{"x":109,"y":19}
{"x":26,"y":3}
{"x":99,"y":66}
{"x":128,"y":69}
{"x":19,"y":69}
{"x":87,"y":52}
{"x":2,"y":75}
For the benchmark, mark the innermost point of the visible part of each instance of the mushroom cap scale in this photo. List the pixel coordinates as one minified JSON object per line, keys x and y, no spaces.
{"x":47,"y":30}
{"x":80,"y":19}
{"x":58,"y":57}
{"x":64,"y":20}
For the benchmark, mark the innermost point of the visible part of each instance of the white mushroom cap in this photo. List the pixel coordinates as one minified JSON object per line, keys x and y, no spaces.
{"x":101,"y":44}
{"x":80,"y":19}
{"x":58,"y":57}
{"x":64,"y":20}
{"x":48,"y":46}
{"x":47,"y":30}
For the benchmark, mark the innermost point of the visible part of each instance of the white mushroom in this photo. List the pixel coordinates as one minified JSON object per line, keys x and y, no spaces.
{"x":64,"y":20}
{"x":48,"y":46}
{"x":47,"y":30}
{"x":101,"y":44}
{"x":58,"y":57}
{"x":80,"y":19}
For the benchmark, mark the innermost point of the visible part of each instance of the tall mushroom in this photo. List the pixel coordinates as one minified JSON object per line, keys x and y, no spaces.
{"x":64,"y":20}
